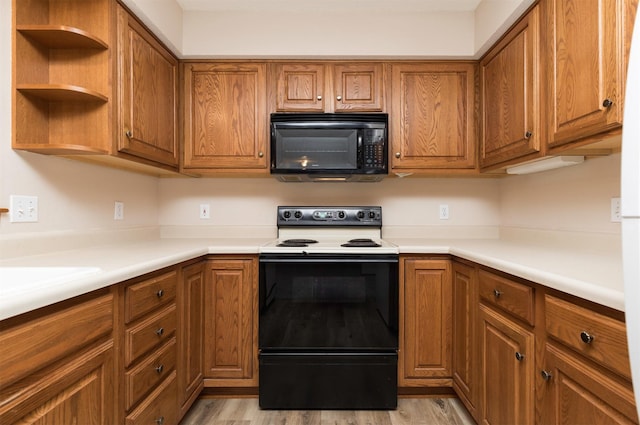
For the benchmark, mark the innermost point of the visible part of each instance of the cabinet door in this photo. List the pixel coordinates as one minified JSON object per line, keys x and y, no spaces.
{"x":148,"y":94}
{"x":77,"y":390}
{"x":358,"y":87}
{"x":465,"y":351}
{"x":300,"y":87}
{"x":574,"y":392}
{"x":586,"y":67}
{"x":425,"y":323}
{"x":507,"y":355}
{"x":510,"y":95}
{"x":225,"y":118}
{"x":231,"y":322}
{"x":432,"y":125}
{"x":190,"y":335}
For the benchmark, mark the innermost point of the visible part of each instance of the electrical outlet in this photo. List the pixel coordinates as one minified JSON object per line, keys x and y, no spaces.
{"x":444,"y":211}
{"x":205,"y":212}
{"x":118,"y":211}
{"x":23,"y":209}
{"x":615,"y":210}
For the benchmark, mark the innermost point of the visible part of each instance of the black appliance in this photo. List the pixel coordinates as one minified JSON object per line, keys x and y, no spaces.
{"x":328,"y":323}
{"x":329,"y":147}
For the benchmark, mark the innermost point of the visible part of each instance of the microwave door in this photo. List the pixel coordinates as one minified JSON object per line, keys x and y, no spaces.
{"x":316,"y":150}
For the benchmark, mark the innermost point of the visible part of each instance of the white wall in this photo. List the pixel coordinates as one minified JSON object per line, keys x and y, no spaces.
{"x":575,"y":198}
{"x":408,"y":201}
{"x":71,"y":195}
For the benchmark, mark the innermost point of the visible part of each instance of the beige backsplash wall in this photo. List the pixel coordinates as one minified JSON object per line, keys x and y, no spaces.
{"x":575,"y":198}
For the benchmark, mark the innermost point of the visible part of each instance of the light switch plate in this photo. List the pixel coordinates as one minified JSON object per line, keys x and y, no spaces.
{"x":23,"y":209}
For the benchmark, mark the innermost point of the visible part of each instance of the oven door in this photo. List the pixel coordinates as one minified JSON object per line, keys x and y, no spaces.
{"x":319,"y":302}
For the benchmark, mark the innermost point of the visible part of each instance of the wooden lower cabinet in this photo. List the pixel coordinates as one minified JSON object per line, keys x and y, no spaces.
{"x":190,"y":335}
{"x":465,"y":350}
{"x":231,"y":322}
{"x":425,"y":322}
{"x":576,"y":392}
{"x":507,"y":367}
{"x":58,"y":364}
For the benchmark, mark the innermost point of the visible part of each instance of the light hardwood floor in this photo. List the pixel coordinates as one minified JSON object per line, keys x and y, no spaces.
{"x":410,"y":411}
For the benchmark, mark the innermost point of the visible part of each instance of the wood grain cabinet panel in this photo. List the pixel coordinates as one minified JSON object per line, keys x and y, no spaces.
{"x":512,"y":297}
{"x":508,"y":362}
{"x":149,"y":294}
{"x":190,"y":335}
{"x":574,"y":392}
{"x":433,"y":120}
{"x":231,"y":322}
{"x":585,"y":62}
{"x":148,"y":98}
{"x":148,"y":333}
{"x":510,"y":93}
{"x":329,"y":87}
{"x":425,"y":322}
{"x":225,"y":126}
{"x":465,"y":365}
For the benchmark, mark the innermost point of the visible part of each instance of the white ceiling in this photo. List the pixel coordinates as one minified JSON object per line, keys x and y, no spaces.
{"x":404,"y":5}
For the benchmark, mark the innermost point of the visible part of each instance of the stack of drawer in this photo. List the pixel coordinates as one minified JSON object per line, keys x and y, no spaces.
{"x":150,"y":350}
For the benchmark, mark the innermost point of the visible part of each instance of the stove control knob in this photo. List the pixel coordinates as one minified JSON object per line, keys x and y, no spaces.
{"x":297,"y":214}
{"x":372,"y":214}
{"x":360,"y":215}
{"x":341,"y":214}
{"x":286,"y":214}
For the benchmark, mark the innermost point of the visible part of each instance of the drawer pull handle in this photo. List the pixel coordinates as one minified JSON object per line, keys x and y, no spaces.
{"x":160,"y":420}
{"x":545,"y":375}
{"x":607,"y":103}
{"x":319,"y":97}
{"x":519,"y":356}
{"x":339,"y":98}
{"x":129,"y":134}
{"x":586,"y":337}
{"x":160,"y":331}
{"x":160,"y":293}
{"x":528,"y":135}
{"x":160,"y":368}
{"x":397,"y":154}
{"x":497,"y":293}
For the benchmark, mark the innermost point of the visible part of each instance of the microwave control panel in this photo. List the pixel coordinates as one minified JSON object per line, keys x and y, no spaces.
{"x":374,"y":155}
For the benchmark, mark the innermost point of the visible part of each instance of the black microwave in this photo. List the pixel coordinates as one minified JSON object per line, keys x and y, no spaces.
{"x":329,"y":147}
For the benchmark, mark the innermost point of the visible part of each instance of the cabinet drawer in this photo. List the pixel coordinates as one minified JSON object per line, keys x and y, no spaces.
{"x":143,"y":297}
{"x":513,"y":297}
{"x":161,"y":407}
{"x":594,"y":335}
{"x":150,"y":372}
{"x":149,"y":333}
{"x":31,"y":345}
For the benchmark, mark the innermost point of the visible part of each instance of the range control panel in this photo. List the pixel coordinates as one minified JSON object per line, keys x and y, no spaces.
{"x":329,"y":216}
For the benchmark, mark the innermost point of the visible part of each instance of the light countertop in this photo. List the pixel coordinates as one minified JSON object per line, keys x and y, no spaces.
{"x":593,"y":273}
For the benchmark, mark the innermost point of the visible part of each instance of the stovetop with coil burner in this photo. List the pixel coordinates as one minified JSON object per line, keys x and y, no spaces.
{"x":328,"y":230}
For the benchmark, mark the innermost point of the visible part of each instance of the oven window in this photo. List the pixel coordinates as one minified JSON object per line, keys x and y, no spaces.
{"x":308,"y":149}
{"x":328,"y":305}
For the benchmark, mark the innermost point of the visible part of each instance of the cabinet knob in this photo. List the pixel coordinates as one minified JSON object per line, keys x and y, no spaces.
{"x":528,"y":135}
{"x":338,"y":98}
{"x":545,"y":375}
{"x":160,"y":293}
{"x":160,"y":420}
{"x":160,"y":368}
{"x":607,"y":103}
{"x":496,"y":293}
{"x":260,"y":154}
{"x":319,"y":97}
{"x":160,"y":331}
{"x":519,"y":356}
{"x":397,"y":154}
{"x":129,"y":134}
{"x":586,"y":337}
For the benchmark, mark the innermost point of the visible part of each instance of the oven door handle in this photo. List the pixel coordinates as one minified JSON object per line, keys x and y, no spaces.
{"x":336,"y":259}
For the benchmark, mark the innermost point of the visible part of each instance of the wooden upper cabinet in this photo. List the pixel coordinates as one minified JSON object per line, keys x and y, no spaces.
{"x":225,"y":122}
{"x":329,"y":87}
{"x":510,"y":93}
{"x":585,"y":61}
{"x":432,"y":125}
{"x":148,"y":84}
{"x":358,"y":87}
